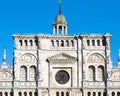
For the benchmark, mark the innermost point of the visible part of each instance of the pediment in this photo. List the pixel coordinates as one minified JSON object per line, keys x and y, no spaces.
{"x":62,"y":57}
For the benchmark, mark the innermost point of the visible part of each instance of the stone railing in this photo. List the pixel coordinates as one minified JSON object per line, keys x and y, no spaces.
{"x":62,"y":48}
{"x":113,"y":84}
{"x":5,"y":84}
{"x":93,"y":84}
{"x":27,"y":47}
{"x":25,"y":84}
{"x":94,"y":47}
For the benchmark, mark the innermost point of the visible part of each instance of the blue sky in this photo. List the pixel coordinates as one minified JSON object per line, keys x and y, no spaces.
{"x":34,"y":16}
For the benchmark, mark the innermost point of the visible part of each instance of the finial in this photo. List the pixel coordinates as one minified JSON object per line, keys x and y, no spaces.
{"x":60,"y":7}
{"x":4,"y":58}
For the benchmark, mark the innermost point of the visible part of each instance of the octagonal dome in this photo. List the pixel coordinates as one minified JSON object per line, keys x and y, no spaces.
{"x":60,"y":19}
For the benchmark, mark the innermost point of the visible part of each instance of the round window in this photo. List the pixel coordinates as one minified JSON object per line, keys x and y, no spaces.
{"x":62,"y":77}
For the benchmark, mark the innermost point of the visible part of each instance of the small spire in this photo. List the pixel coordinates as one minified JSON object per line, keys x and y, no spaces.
{"x":119,"y":56}
{"x":4,"y":58}
{"x":60,"y":7}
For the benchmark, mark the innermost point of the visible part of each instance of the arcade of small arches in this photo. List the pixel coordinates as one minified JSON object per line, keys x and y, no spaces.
{"x":27,"y":94}
{"x":6,"y":94}
{"x":62,"y":43}
{"x":28,"y":73}
{"x":62,"y":93}
{"x":28,"y":42}
{"x":102,"y":94}
{"x":96,"y":42}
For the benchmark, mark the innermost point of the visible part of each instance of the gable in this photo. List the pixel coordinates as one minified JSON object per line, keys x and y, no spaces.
{"x":62,"y":57}
{"x":4,"y":76}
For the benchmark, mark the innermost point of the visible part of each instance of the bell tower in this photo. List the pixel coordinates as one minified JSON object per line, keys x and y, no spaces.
{"x":60,"y":23}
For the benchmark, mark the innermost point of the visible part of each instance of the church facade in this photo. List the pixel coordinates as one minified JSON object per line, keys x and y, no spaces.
{"x":60,"y":64}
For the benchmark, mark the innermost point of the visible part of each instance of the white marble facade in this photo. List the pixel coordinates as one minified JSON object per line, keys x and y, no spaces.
{"x":60,"y":64}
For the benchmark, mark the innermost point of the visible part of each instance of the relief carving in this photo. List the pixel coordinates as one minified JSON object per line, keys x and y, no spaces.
{"x":95,"y":58}
{"x":28,"y":58}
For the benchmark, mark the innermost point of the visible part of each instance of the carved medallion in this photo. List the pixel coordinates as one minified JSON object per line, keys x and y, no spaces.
{"x":27,"y":58}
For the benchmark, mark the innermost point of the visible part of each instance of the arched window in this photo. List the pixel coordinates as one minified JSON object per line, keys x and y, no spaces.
{"x":31,"y":43}
{"x":57,"y":93}
{"x":104,"y":94}
{"x":100,"y":71}
{"x":62,"y":43}
{"x":99,"y":93}
{"x":67,"y":43}
{"x":62,"y":93}
{"x":25,"y":93}
{"x":19,"y":94}
{"x":0,"y":93}
{"x":89,"y":94}
{"x":57,"y":43}
{"x":52,"y":43}
{"x":118,"y":93}
{"x":20,"y":41}
{"x":60,"y":30}
{"x":36,"y":42}
{"x":98,"y":42}
{"x":88,"y":42}
{"x":72,"y":43}
{"x":103,"y":42}
{"x":23,"y":73}
{"x":30,"y":93}
{"x":32,"y":73}
{"x":11,"y":93}
{"x":25,"y":42}
{"x":91,"y":73}
{"x":113,"y":93}
{"x":35,"y":94}
{"x":6,"y":93}
{"x":67,"y":93}
{"x":93,"y":42}
{"x":94,"y":94}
